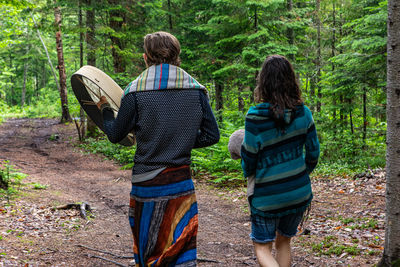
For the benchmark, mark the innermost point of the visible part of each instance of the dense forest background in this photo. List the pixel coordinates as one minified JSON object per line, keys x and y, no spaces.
{"x":338,"y":49}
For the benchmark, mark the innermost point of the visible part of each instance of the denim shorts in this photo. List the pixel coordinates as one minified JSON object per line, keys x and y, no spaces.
{"x":263,"y":230}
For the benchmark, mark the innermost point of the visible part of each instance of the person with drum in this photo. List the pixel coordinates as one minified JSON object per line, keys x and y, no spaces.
{"x":170,"y":114}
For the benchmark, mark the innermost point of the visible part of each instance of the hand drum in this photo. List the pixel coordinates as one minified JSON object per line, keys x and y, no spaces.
{"x":235,"y":143}
{"x":89,"y":84}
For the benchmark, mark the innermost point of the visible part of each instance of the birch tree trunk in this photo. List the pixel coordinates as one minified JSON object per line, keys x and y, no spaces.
{"x":61,"y":68}
{"x":47,"y":54}
{"x":391,"y":253}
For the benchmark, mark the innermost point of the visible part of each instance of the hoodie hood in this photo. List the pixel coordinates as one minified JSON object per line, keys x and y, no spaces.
{"x":163,"y":77}
{"x":264,"y":110}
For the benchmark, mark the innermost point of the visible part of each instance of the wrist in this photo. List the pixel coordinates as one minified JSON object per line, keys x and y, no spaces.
{"x":104,"y":106}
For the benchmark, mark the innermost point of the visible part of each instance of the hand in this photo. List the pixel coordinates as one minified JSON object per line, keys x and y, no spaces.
{"x":103,"y":100}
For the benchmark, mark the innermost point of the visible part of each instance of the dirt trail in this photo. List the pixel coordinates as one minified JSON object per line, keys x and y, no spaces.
{"x":43,"y":149}
{"x":346,"y":225}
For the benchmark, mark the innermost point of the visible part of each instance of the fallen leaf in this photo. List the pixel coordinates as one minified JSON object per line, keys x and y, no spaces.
{"x":375,"y":246}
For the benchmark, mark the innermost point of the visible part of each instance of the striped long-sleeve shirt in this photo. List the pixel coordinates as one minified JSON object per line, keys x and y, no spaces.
{"x":279,"y":160}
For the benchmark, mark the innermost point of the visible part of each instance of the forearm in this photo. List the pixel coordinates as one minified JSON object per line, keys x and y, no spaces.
{"x":118,"y":128}
{"x":312,"y":149}
{"x":208,"y":133}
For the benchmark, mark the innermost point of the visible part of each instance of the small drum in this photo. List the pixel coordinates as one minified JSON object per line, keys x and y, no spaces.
{"x":89,"y":84}
{"x":235,"y":143}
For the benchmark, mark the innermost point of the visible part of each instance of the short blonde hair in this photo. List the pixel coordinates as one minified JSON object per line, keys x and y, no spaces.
{"x":162,"y":47}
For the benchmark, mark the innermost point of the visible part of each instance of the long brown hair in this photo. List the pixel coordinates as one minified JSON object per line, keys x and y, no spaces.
{"x":278,"y":86}
{"x":162,"y":47}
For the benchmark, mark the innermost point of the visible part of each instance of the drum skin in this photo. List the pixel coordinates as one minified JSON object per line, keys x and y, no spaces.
{"x":89,"y":84}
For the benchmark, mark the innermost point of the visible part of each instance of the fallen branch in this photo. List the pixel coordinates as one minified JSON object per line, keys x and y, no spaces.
{"x":105,"y":252}
{"x":82,"y":207}
{"x":244,"y":259}
{"x":208,"y":260}
{"x":131,"y":257}
{"x":105,"y":259}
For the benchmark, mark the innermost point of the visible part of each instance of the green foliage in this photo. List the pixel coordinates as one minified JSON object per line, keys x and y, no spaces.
{"x":223,"y":42}
{"x":122,"y":154}
{"x":216,"y":159}
{"x":329,"y":246}
{"x":39,"y":186}
{"x":10,"y":180}
{"x":344,"y":152}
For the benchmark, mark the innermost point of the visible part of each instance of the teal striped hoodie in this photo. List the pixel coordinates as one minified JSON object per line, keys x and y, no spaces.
{"x":279,"y":160}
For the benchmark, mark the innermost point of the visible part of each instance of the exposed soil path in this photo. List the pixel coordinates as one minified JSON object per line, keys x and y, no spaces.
{"x":33,"y":233}
{"x":43,"y":149}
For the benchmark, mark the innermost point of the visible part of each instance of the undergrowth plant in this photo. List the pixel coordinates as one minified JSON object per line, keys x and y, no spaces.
{"x":342,"y":152}
{"x":10,"y":180}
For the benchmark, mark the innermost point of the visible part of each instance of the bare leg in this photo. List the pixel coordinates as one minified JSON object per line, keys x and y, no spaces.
{"x":264,"y":255}
{"x":283,"y":250}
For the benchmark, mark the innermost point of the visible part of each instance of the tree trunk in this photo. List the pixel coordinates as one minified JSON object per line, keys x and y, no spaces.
{"x":36,"y":85}
{"x":290,"y":32}
{"x":61,"y":67}
{"x":334,"y":53}
{"x":365,"y":122}
{"x":391,"y":253}
{"x":255,"y":19}
{"x":81,"y":35}
{"x":117,"y":44}
{"x":240,"y":98}
{"x":342,"y":115}
{"x":82,"y":115}
{"x":11,"y":99}
{"x":351,"y":118}
{"x":219,"y":100}
{"x":318,"y":59}
{"x":169,"y":15}
{"x":47,"y":53}
{"x":257,"y":61}
{"x":90,"y":34}
{"x":44,"y":76}
{"x":24,"y":85}
{"x":312,"y":93}
{"x":91,"y":52}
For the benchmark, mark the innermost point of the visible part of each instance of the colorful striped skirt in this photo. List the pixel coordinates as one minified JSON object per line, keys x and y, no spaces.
{"x":163,"y":218}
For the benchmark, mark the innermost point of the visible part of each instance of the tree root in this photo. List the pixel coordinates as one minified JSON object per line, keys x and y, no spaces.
{"x":126,"y":257}
{"x":105,"y":252}
{"x":82,"y":207}
{"x":105,"y":259}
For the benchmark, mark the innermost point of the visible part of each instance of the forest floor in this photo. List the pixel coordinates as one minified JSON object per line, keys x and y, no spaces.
{"x":345,"y":225}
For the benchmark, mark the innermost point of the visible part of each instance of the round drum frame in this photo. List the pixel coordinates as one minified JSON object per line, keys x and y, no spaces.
{"x":89,"y":84}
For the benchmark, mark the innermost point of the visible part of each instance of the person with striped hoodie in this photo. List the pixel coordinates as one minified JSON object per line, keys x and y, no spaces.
{"x":279,"y":151}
